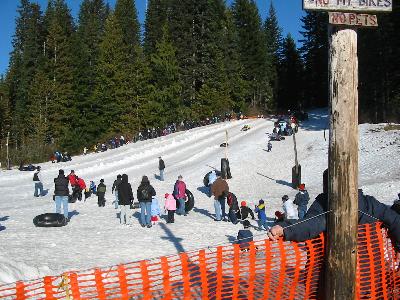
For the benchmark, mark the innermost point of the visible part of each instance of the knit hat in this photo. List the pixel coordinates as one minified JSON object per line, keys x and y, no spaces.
{"x":166,"y":195}
{"x":261,"y":201}
{"x":101,"y":180}
{"x":246,"y":224}
{"x":243,"y":203}
{"x":302,"y":187}
{"x":61,"y":172}
{"x":285,"y":198}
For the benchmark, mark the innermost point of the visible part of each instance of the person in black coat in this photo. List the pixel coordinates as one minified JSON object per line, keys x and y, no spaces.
{"x":367,"y":205}
{"x":145,"y":192}
{"x":125,"y":200}
{"x":61,"y":193}
{"x":244,"y":212}
{"x":101,"y":192}
{"x":161,"y":167}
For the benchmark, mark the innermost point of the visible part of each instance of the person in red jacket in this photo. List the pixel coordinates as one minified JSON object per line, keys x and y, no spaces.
{"x":80,"y":186}
{"x":72,"y":178}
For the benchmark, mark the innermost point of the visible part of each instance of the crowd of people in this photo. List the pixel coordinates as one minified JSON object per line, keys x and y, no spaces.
{"x":226,"y":205}
{"x":155,"y":132}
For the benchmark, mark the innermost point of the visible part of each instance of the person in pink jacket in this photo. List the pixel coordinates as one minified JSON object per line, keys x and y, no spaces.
{"x":170,"y":207}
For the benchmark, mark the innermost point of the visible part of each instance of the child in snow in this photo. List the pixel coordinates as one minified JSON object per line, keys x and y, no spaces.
{"x":262,"y":217}
{"x":288,"y":208}
{"x":101,"y":191}
{"x":170,"y":207}
{"x":245,"y":236}
{"x":269,"y":146}
{"x":155,"y":210}
{"x":244,"y":211}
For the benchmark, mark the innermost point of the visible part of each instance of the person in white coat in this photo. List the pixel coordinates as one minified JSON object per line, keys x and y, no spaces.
{"x":289,"y":209}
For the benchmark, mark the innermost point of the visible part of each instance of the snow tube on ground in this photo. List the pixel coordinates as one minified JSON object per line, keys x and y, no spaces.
{"x":50,"y":220}
{"x":224,"y":145}
{"x":189,"y":204}
{"x":206,"y":177}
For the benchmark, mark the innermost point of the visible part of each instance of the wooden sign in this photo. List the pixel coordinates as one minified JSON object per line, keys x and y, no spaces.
{"x":353,"y":19}
{"x":349,"y":5}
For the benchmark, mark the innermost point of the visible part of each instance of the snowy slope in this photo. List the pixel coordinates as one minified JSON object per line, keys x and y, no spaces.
{"x":94,"y":236}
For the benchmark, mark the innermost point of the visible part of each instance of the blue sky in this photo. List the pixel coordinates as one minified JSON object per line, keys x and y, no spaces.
{"x":289,"y":13}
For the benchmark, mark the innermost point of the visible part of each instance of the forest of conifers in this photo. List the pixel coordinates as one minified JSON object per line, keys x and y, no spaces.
{"x":74,"y":82}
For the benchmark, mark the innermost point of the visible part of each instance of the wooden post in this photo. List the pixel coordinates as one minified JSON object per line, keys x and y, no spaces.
{"x":340,"y":277}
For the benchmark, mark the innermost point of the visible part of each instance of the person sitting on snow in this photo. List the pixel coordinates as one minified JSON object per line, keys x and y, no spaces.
{"x":244,"y":212}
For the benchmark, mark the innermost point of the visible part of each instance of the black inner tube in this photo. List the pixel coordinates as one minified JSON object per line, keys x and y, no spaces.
{"x":50,"y":220}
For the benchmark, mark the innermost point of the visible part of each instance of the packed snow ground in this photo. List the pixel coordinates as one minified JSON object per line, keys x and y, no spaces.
{"x":94,"y":236}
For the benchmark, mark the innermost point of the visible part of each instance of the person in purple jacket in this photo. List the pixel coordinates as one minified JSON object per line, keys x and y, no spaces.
{"x":180,"y":195}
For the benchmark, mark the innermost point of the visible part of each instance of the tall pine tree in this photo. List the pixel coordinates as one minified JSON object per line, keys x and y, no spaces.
{"x":290,"y":75}
{"x":253,"y":52}
{"x":156,"y":18}
{"x":274,"y":45}
{"x":314,"y":52}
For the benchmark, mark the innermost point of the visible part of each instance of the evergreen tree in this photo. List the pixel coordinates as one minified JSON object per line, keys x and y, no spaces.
{"x":291,"y":74}
{"x":156,"y":18}
{"x":5,"y":109}
{"x":164,"y":104}
{"x":274,"y":41}
{"x":90,"y":31}
{"x":121,"y":84}
{"x":379,"y":79}
{"x":314,"y":52}
{"x":25,"y":58}
{"x":59,"y":69}
{"x":253,"y":52}
{"x":238,"y":86}
{"x":126,"y":16}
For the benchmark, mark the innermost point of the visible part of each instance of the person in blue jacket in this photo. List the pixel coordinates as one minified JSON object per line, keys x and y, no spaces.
{"x":370,"y":210}
{"x":262,"y":217}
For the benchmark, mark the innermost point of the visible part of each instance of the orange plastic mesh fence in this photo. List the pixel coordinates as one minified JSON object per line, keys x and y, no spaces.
{"x":264,"y":270}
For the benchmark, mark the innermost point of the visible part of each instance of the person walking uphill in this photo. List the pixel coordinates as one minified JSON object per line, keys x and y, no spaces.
{"x":180,"y":195}
{"x":301,"y":200}
{"x":161,"y":167}
{"x":219,"y":190}
{"x":101,"y":191}
{"x":125,"y":200}
{"x":61,"y":193}
{"x":145,"y":192}
{"x":37,"y":179}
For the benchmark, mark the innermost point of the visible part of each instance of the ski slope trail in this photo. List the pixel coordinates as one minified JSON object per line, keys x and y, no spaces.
{"x":94,"y":236}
